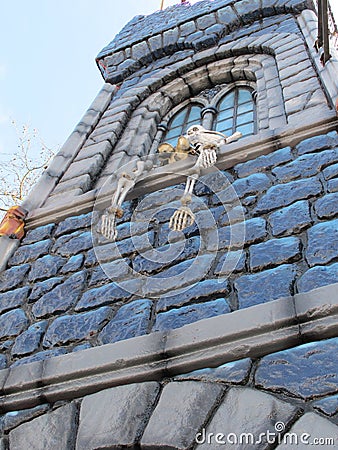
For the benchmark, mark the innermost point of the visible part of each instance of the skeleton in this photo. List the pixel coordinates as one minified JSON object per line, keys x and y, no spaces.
{"x":126,"y":181}
{"x":205,"y":143}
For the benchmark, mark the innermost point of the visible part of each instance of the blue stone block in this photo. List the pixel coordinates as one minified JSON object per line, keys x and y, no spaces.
{"x":285,"y":194}
{"x":74,"y":264}
{"x":3,"y":362}
{"x":42,"y":287}
{"x":327,"y":206}
{"x":332,"y":185}
{"x":40,"y":356}
{"x":292,"y":219}
{"x":274,"y":252}
{"x":130,"y":321}
{"x":30,"y":252}
{"x":318,"y":276}
{"x":45,"y":267}
{"x":77,"y":244}
{"x":330,"y":172}
{"x":236,"y":372}
{"x":12,"y":323}
{"x":322,"y":244}
{"x":231,"y":216}
{"x":264,"y":162}
{"x":29,"y":340}
{"x":61,"y":298}
{"x":231,"y":262}
{"x":169,"y":254}
{"x":38,"y":234}
{"x":104,"y":295}
{"x":74,"y":223}
{"x":12,"y":277}
{"x":328,"y":405}
{"x":315,"y":144}
{"x":114,"y":271}
{"x":176,"y":318}
{"x":253,"y":184}
{"x":306,"y":165}
{"x":76,"y":327}
{"x":277,"y":283}
{"x":13,"y":299}
{"x":240,"y":234}
{"x":307,"y":371}
{"x":202,"y":290}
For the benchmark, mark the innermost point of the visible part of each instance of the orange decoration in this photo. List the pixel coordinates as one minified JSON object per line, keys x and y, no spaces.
{"x":13,"y":223}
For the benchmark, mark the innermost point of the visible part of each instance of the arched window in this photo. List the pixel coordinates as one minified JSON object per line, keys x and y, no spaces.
{"x":236,"y":112}
{"x":181,"y":121}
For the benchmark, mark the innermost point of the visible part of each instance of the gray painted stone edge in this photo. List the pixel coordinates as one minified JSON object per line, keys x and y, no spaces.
{"x":253,"y":332}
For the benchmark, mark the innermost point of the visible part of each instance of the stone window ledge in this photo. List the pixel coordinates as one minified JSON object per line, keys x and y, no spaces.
{"x":231,"y":154}
{"x":252,"y":332}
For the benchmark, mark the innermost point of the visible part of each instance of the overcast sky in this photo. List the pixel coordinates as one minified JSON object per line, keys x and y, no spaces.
{"x":48,"y":75}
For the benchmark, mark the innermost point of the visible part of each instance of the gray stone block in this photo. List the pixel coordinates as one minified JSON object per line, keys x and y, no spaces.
{"x":236,"y":372}
{"x":274,"y":252}
{"x":312,"y":428}
{"x":42,"y":287}
{"x":29,"y":340}
{"x":45,"y":267}
{"x":285,"y":194}
{"x":307,"y":371}
{"x":186,"y":402}
{"x":318,"y":276}
{"x":103,"y":148}
{"x":31,"y":252}
{"x":130,"y":321}
{"x":61,"y":298}
{"x":12,"y":323}
{"x":322,"y":243}
{"x":120,"y":426}
{"x":90,"y":166}
{"x":253,"y":184}
{"x":53,"y":431}
{"x":38,"y":234}
{"x":83,"y":182}
{"x":12,"y":277}
{"x":327,"y":206}
{"x":71,"y":328}
{"x":176,"y":318}
{"x":13,"y":299}
{"x":277,"y":283}
{"x":245,"y":413}
{"x":73,"y":223}
{"x":292,"y":219}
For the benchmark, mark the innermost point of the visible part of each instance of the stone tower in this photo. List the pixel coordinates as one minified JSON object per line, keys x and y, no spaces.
{"x":168,"y":335}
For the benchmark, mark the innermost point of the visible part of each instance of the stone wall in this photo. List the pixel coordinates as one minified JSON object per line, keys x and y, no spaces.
{"x":286,"y":394}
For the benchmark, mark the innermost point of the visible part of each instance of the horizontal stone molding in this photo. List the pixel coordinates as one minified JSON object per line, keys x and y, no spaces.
{"x":253,"y":332}
{"x":232,"y":154}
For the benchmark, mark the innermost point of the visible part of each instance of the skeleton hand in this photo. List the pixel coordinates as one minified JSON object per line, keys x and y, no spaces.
{"x":181,"y":219}
{"x":207,"y":157}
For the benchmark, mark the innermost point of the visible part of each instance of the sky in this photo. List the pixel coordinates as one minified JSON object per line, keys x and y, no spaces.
{"x":48,"y":75}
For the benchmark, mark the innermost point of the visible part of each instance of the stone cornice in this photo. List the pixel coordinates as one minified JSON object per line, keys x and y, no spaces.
{"x":252,"y":332}
{"x":240,"y":151}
